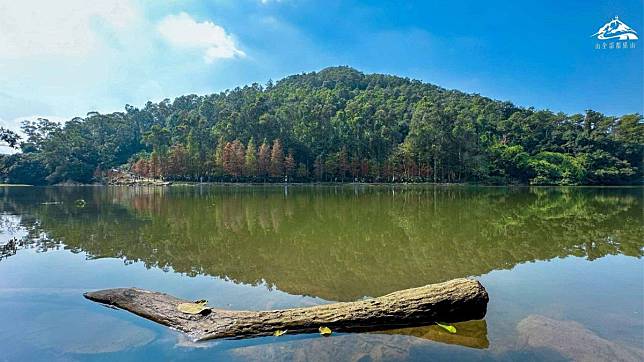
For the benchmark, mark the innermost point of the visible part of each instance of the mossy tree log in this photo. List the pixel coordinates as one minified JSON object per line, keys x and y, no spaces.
{"x":451,"y":301}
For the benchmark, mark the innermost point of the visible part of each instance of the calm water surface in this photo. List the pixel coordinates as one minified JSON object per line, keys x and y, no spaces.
{"x":563,"y":267}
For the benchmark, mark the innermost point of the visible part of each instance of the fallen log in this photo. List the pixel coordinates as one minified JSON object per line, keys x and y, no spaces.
{"x":452,"y":301}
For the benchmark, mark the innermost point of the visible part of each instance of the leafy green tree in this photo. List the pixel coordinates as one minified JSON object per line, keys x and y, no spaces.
{"x":219,"y":157}
{"x":37,"y":133}
{"x":24,"y":169}
{"x":264,"y":159}
{"x":250,"y":161}
{"x":318,"y":168}
{"x":156,"y":169}
{"x":9,"y":137}
{"x":606,"y":169}
{"x":510,"y":163}
{"x":429,"y":136}
{"x":553,"y":168}
{"x":158,"y":137}
{"x":343,"y":163}
{"x":302,"y":171}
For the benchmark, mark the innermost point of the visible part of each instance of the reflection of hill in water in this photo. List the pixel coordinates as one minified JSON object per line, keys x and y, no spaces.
{"x":336,"y":243}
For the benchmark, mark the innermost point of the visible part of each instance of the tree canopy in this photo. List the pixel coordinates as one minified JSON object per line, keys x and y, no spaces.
{"x":9,"y":137}
{"x":337,"y":124}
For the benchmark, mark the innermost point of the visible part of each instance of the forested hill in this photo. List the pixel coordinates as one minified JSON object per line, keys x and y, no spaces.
{"x":335,"y":125}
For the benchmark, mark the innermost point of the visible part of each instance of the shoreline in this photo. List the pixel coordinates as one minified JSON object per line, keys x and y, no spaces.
{"x":249,"y":184}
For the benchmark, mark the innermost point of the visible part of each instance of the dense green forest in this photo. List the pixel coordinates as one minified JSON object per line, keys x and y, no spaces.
{"x":334,"y":125}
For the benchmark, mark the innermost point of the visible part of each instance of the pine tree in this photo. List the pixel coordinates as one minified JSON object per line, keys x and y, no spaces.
{"x":193,"y":164}
{"x":233,"y":158}
{"x":142,"y":168}
{"x":277,"y":159}
{"x":238,"y":157}
{"x":155,"y":165}
{"x":177,"y":164}
{"x":318,"y":168}
{"x":343,"y":162}
{"x":264,"y":159}
{"x":137,"y":167}
{"x":227,"y":159}
{"x":289,"y":163}
{"x":250,"y":160}
{"x":302,"y":171}
{"x":219,"y":157}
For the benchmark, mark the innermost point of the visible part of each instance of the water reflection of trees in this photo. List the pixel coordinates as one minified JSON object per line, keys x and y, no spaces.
{"x":335,"y":243}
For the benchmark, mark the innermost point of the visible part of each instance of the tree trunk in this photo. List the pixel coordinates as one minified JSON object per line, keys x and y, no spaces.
{"x":451,"y":301}
{"x":435,"y":169}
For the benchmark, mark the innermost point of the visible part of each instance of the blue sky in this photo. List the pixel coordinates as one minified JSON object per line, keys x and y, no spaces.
{"x":64,"y":58}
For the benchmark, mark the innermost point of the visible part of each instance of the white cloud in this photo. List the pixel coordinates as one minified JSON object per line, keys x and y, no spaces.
{"x":68,"y":57}
{"x":64,"y":27}
{"x":182,"y":31}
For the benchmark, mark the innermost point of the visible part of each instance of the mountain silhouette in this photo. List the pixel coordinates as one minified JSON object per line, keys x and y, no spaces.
{"x":616,"y":29}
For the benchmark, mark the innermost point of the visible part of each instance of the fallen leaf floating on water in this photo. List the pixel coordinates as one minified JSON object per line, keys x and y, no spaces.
{"x":196,"y":307}
{"x":447,"y":327}
{"x":325,"y":331}
{"x":279,"y":332}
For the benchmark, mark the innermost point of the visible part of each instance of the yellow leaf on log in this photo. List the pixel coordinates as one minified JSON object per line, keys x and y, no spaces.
{"x":325,"y":331}
{"x":193,"y":308}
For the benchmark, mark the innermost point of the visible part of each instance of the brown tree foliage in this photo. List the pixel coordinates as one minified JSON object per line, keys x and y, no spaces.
{"x":233,"y":158}
{"x":277,"y":159}
{"x":177,"y":162}
{"x":289,"y":163}
{"x":141,"y":168}
{"x":263,"y":159}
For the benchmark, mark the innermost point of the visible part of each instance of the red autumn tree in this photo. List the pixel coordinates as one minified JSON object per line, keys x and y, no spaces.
{"x":140,"y":167}
{"x":178,"y":159}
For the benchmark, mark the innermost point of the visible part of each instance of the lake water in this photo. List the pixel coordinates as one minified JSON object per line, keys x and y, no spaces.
{"x":563,"y":268}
